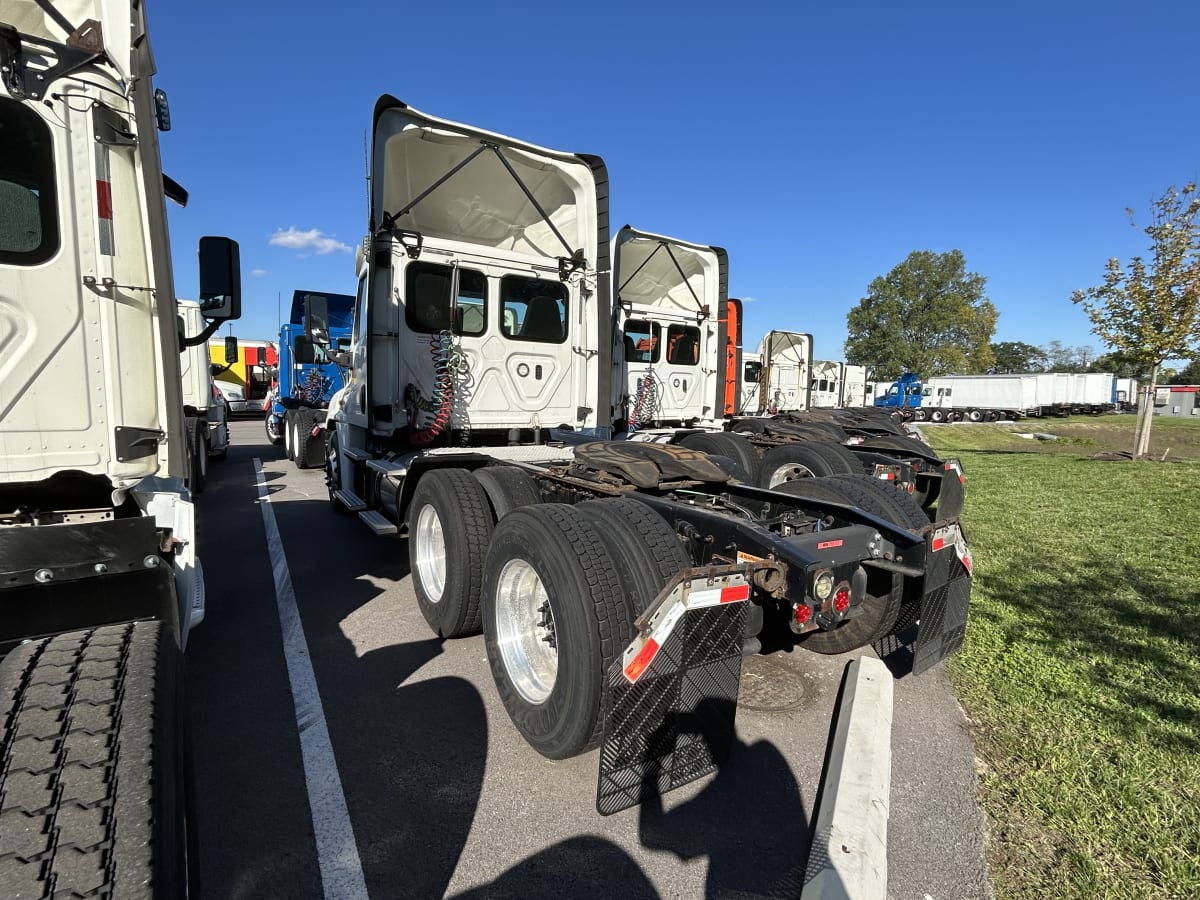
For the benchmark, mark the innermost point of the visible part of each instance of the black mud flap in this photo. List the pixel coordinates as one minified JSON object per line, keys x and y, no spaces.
{"x":670,"y":703}
{"x":951,"y":494}
{"x":932,"y":627}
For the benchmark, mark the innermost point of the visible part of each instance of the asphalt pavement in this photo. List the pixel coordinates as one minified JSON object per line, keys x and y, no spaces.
{"x":444,"y":797}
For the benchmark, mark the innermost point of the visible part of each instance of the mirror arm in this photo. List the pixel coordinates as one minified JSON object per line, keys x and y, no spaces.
{"x":209,"y":330}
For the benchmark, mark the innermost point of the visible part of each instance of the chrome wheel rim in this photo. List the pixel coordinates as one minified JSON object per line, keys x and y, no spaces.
{"x":430,"y":553}
{"x":525,"y":631}
{"x":790,"y":472}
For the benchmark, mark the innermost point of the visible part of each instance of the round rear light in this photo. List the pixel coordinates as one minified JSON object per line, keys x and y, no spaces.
{"x":823,"y":585}
{"x":841,"y":601}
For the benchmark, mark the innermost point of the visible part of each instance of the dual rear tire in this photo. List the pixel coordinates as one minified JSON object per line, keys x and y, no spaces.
{"x":555,"y":589}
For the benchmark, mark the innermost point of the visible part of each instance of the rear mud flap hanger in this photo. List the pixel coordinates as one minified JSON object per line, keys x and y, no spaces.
{"x":574,"y":261}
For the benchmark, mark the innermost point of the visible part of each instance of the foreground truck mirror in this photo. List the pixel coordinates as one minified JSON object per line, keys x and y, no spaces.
{"x":231,"y":350}
{"x":220,"y":279}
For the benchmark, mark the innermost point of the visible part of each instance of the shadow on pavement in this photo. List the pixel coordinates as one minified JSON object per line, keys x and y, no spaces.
{"x":582,"y":868}
{"x":749,"y":821}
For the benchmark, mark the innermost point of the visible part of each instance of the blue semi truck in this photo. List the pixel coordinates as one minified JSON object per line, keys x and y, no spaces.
{"x":904,"y":394}
{"x":307,"y":377}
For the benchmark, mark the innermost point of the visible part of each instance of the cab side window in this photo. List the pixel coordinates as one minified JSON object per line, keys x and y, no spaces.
{"x":533,"y":309}
{"x":427,"y":304}
{"x":28,"y":213}
{"x":683,"y":345}
{"x":642,"y":341}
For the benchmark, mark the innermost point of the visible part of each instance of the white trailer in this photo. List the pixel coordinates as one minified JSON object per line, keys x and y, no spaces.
{"x":978,"y":398}
{"x":1093,"y":393}
{"x":1055,"y":390}
{"x":101,"y":581}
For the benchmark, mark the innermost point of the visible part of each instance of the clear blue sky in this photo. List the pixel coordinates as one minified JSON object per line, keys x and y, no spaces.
{"x":819,"y":147}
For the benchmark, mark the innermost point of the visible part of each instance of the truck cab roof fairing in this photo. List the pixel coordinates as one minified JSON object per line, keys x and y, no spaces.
{"x":665,"y":272}
{"x":482,"y":203}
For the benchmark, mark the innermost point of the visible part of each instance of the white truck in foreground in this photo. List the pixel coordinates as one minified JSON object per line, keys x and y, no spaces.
{"x":99,"y":578}
{"x":617,"y":583}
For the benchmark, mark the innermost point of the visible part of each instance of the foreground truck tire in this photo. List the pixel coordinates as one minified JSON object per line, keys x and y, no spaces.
{"x":450,"y":524}
{"x":92,"y":785}
{"x":647,"y":550}
{"x":507,"y":489}
{"x":555,"y":618}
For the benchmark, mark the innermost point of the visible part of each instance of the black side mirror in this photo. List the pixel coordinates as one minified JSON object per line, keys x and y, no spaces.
{"x":316,"y":318}
{"x":220,"y":279}
{"x":231,"y":350}
{"x":260,"y":356}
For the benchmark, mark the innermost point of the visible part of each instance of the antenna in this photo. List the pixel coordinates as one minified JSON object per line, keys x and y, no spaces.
{"x":367,"y":167}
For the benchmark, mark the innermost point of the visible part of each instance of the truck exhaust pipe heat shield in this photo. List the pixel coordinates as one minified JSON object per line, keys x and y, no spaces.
{"x":669,"y":704}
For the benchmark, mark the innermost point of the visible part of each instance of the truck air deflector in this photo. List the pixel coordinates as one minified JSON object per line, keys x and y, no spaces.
{"x":528,"y":199}
{"x":670,"y":702}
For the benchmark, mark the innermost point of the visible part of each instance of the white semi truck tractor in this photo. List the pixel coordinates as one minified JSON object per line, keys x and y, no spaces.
{"x":99,"y":578}
{"x":617,"y":583}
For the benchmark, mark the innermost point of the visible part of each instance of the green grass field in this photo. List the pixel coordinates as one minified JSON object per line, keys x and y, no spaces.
{"x":1081,"y":668}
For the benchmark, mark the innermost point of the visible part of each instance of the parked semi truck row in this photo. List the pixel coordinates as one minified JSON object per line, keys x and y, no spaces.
{"x":101,"y":578}
{"x":602,"y":573}
{"x":767,"y":450}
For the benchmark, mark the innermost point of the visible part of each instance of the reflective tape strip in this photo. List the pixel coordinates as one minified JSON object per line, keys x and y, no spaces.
{"x":104,"y":207}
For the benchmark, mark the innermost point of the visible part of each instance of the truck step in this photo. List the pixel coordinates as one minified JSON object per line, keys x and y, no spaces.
{"x":387,"y":467}
{"x":356,"y":453}
{"x":350,"y":500}
{"x":378,"y":522}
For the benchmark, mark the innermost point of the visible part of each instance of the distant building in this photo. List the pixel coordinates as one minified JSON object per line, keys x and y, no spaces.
{"x":1180,"y":400}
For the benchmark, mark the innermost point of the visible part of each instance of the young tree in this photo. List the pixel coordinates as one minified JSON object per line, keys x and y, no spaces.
{"x":927,"y":315}
{"x":1150,"y":310}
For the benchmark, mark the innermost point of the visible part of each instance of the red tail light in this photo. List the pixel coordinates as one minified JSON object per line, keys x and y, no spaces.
{"x":841,"y":600}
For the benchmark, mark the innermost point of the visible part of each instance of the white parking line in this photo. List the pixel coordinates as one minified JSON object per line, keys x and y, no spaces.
{"x":337,"y":853}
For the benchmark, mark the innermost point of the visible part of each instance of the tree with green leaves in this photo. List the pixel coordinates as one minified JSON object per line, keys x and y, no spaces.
{"x":928,"y":315}
{"x":1149,"y":310}
{"x":1189,"y":374}
{"x":1121,"y":365}
{"x":1017,"y":358}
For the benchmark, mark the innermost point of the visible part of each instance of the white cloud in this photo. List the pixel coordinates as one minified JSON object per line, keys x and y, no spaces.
{"x":747,"y":299}
{"x":259,"y":273}
{"x":316,"y":241}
